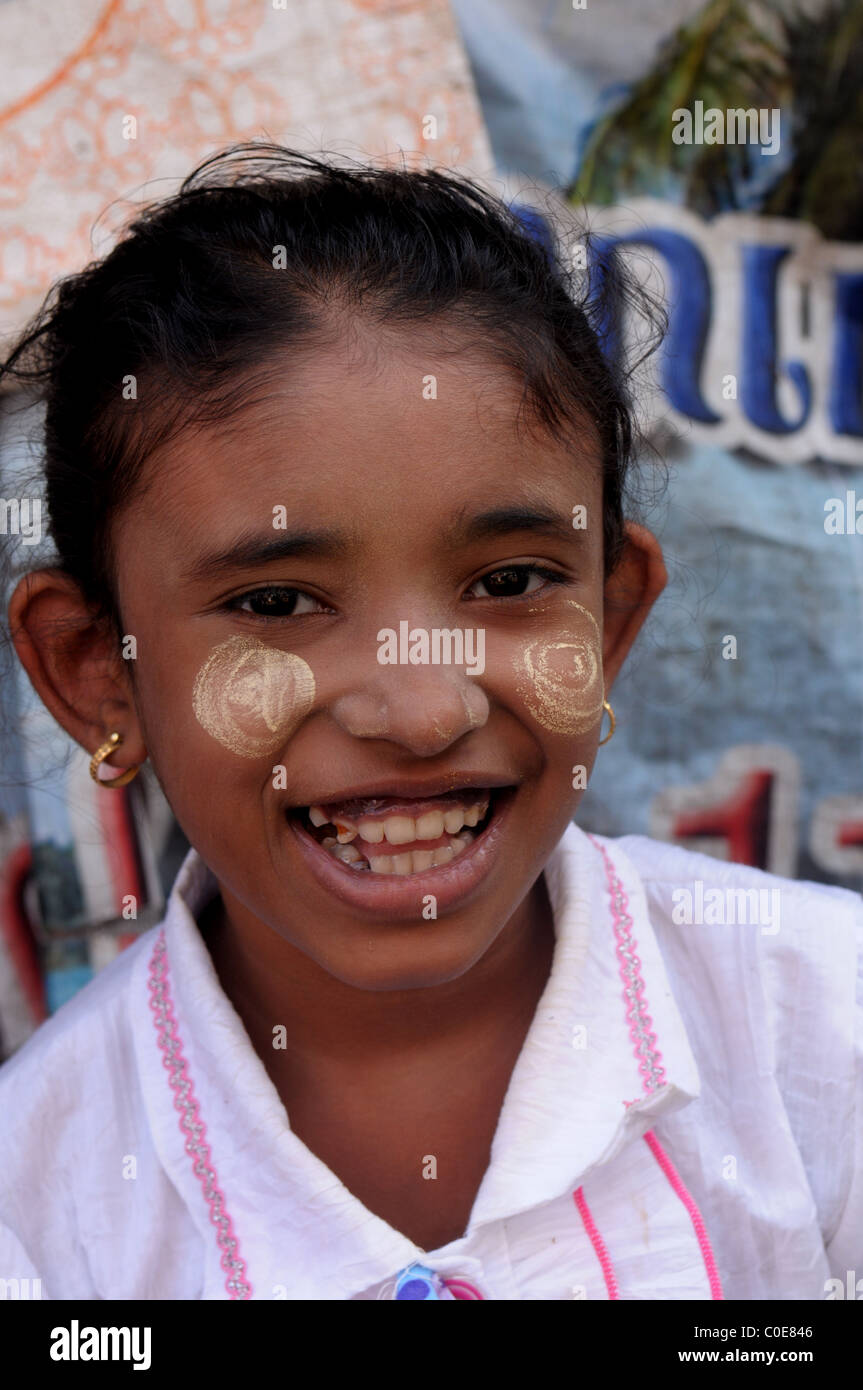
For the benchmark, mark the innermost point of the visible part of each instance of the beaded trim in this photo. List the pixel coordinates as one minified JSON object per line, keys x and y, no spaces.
{"x":191,"y":1124}
{"x":640,"y":1023}
{"x":652,"y":1074}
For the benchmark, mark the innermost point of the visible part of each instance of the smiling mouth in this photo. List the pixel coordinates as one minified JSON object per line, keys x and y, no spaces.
{"x":387,"y":835}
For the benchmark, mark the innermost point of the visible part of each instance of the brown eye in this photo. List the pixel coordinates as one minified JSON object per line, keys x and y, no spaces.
{"x":276,"y":603}
{"x":514,"y":581}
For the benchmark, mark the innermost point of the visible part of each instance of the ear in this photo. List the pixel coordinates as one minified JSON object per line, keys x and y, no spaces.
{"x":630,"y":593}
{"x":75,"y":664}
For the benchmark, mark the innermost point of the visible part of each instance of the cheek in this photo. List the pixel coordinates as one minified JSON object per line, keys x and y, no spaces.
{"x":251,"y":697}
{"x":560,"y":677}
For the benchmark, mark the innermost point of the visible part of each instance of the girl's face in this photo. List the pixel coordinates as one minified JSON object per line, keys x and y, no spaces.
{"x":290,"y":577}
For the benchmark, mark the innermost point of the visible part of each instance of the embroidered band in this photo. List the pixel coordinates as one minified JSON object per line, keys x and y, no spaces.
{"x":191,"y":1124}
{"x":653,"y":1075}
{"x":649,"y":1058}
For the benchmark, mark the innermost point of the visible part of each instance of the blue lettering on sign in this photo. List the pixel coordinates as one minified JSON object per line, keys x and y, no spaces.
{"x":758,"y":366}
{"x":764,"y":348}
{"x":688,"y":320}
{"x":846,"y":386}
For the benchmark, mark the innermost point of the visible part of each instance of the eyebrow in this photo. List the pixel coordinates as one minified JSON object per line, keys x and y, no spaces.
{"x":252,"y":550}
{"x":249,"y":551}
{"x":504,"y":521}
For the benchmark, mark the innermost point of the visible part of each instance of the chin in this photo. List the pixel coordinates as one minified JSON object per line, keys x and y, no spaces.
{"x":383,"y":966}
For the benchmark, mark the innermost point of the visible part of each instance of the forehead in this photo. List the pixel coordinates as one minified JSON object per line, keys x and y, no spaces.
{"x":405,"y":437}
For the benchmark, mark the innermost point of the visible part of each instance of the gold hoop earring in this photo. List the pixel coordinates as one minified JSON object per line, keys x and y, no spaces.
{"x":606,"y":706}
{"x":105,"y":751}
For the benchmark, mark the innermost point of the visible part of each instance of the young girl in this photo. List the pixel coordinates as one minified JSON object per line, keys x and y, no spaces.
{"x":315,"y":438}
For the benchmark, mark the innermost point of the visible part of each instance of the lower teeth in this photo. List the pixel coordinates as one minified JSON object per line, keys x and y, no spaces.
{"x":399,"y":864}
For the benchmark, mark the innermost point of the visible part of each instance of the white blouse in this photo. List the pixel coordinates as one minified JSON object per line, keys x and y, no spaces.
{"x":685,"y":1119}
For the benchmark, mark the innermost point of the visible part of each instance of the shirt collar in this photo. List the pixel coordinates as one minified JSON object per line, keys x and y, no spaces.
{"x":575,"y":1097}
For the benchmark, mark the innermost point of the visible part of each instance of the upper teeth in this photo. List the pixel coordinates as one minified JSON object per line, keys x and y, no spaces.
{"x":402,"y":830}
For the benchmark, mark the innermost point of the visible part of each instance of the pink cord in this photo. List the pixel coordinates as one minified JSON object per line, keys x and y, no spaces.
{"x":598,"y":1244}
{"x":463,"y":1288}
{"x":688,"y":1201}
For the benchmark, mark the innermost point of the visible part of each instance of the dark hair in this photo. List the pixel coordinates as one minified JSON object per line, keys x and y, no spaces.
{"x":190,"y":304}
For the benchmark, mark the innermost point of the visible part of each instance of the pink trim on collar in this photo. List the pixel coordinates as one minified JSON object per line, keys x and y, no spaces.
{"x":647,"y":1055}
{"x":653,"y":1076}
{"x":191,"y":1124}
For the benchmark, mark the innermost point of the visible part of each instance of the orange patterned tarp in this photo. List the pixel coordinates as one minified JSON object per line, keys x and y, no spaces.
{"x":108,"y":103}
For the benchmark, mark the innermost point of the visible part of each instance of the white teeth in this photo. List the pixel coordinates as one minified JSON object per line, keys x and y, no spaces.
{"x":430,"y":826}
{"x":400,"y":830}
{"x":411,"y":862}
{"x":404,"y":830}
{"x":372,"y":831}
{"x":382,"y":864}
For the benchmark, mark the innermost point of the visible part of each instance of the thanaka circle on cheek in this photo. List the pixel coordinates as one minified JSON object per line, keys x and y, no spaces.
{"x":560,"y":678}
{"x":251,"y":697}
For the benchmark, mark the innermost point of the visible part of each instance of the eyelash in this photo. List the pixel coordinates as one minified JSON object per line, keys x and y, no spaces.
{"x":553,"y":577}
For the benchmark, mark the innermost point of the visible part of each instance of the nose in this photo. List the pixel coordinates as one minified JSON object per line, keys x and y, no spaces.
{"x":423,"y":710}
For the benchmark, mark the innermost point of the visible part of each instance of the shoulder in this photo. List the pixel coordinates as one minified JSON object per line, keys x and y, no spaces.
{"x":760,"y":964}
{"x":62,"y":1071}
{"x":767,"y":973}
{"x":718,"y":905}
{"x":76,"y":1132}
